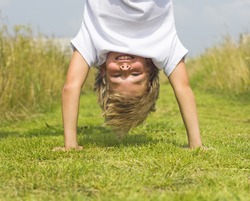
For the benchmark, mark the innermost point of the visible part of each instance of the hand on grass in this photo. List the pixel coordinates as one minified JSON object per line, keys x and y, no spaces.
{"x":203,"y":148}
{"x":200,"y":147}
{"x":206,"y":148}
{"x":79,"y":148}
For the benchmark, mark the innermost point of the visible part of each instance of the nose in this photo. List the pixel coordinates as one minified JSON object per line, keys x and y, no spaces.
{"x":125,"y":67}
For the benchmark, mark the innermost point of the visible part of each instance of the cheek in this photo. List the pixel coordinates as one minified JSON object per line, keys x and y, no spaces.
{"x":111,"y":66}
{"x":140,"y":64}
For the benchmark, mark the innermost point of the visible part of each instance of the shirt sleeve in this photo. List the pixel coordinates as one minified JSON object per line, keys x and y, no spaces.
{"x":177,"y":52}
{"x":84,"y":45}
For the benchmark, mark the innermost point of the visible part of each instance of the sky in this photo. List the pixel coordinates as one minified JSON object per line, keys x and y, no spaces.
{"x":200,"y":24}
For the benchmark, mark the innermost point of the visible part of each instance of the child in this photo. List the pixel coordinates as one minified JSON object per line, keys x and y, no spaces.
{"x":130,"y":41}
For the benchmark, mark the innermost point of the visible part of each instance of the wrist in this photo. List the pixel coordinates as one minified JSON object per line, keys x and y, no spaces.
{"x":70,"y":142}
{"x":194,"y":143}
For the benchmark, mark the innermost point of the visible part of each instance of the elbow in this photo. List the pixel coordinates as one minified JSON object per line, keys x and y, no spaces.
{"x":184,"y":87}
{"x":184,"y":91}
{"x":70,"y":88}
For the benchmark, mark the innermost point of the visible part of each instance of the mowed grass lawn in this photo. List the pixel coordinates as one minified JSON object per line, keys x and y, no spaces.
{"x":151,"y":163}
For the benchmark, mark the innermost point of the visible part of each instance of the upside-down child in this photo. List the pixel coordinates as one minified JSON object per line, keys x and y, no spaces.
{"x":129,"y":41}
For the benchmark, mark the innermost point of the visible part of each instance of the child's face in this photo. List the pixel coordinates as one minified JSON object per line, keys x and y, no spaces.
{"x":127,"y":74}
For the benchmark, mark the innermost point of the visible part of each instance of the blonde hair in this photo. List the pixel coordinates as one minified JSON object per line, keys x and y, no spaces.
{"x":122,"y":112}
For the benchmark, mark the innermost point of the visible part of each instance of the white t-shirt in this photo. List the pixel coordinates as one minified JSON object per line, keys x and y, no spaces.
{"x":144,"y":28}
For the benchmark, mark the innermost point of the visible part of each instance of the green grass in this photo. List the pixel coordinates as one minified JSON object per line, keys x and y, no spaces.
{"x":151,"y":163}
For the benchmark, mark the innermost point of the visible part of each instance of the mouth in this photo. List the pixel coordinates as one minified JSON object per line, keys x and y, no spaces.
{"x":124,"y":57}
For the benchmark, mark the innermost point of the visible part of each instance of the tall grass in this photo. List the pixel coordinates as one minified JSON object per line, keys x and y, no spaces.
{"x":32,"y":71}
{"x":224,"y":68}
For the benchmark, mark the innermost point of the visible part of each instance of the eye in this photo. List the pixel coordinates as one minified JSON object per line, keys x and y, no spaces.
{"x":135,"y":74}
{"x":116,"y":75}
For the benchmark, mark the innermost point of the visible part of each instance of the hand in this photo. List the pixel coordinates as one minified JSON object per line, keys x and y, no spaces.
{"x":199,"y":147}
{"x":203,"y":148}
{"x":207,"y":148}
{"x":79,"y":148}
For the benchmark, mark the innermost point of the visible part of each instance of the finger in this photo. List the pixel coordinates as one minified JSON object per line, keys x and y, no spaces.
{"x":80,"y":148}
{"x":59,"y":149}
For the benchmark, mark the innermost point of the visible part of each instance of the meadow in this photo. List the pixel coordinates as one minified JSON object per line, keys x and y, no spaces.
{"x":152,"y":162}
{"x":32,"y":70}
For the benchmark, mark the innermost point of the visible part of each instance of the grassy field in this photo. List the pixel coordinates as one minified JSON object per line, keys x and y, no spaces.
{"x":150,"y":164}
{"x":32,"y":71}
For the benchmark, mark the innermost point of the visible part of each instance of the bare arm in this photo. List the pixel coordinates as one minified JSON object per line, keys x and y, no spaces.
{"x":185,"y":98}
{"x":76,"y":76}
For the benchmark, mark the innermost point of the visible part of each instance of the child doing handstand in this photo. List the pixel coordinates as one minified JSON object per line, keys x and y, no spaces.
{"x":130,"y":41}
